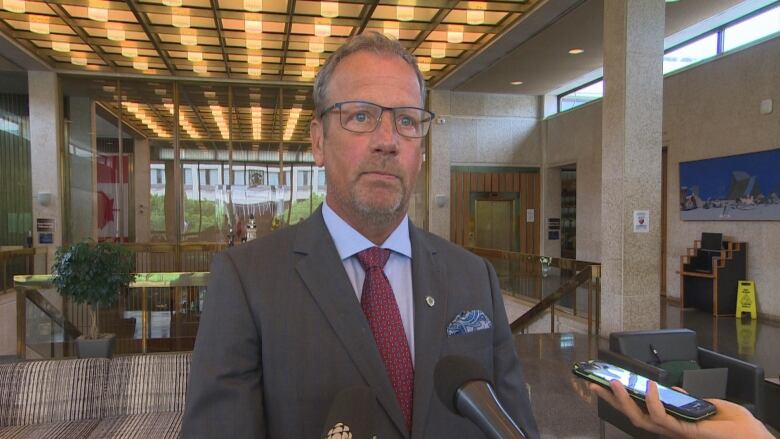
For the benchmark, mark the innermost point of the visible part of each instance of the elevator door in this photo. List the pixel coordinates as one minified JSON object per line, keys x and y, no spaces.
{"x":493,"y":225}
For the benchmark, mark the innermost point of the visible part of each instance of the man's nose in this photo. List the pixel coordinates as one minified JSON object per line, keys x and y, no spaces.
{"x":386,"y":135}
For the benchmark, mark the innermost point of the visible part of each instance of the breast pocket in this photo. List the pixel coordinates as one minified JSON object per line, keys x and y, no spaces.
{"x":473,"y":341}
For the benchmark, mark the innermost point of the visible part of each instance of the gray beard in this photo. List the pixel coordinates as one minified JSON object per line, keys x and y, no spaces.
{"x":380,"y":216}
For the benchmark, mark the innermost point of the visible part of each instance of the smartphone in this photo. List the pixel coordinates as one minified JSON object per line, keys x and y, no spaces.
{"x":677,"y":404}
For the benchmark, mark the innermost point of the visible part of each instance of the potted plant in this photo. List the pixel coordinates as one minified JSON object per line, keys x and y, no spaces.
{"x":93,"y":274}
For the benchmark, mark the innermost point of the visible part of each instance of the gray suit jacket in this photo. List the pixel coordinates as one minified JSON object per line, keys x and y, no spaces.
{"x":282,"y":333}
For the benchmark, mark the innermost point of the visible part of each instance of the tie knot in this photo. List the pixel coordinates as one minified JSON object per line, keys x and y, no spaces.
{"x":373,"y":257}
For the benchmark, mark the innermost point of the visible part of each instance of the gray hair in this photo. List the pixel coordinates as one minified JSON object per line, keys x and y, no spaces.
{"x":368,"y":41}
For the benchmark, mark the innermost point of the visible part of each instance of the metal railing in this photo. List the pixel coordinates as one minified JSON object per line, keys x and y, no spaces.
{"x":158,"y":312}
{"x":161,"y":257}
{"x":16,"y":260}
{"x":549,"y":285}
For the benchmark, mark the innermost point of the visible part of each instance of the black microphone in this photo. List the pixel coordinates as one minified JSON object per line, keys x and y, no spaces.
{"x":464,"y":387}
{"x":351,"y":414}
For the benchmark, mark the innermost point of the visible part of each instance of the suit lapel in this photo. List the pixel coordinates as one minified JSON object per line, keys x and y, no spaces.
{"x":428,"y":277}
{"x":323,"y":273}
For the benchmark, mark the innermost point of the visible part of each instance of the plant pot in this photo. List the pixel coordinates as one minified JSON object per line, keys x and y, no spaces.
{"x":101,"y":347}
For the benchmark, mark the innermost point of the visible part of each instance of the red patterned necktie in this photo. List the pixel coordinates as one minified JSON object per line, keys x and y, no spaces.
{"x":384,"y":318}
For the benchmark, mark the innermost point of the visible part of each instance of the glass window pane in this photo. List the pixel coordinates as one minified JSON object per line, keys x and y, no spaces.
{"x":15,"y":166}
{"x":582,"y":96}
{"x":147,"y":111}
{"x":752,"y":29}
{"x":691,"y":53}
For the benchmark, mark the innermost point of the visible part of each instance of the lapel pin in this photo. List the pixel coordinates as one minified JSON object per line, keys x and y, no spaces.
{"x":429,"y":300}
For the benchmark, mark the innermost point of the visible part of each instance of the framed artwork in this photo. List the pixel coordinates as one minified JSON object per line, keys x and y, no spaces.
{"x":744,"y":187}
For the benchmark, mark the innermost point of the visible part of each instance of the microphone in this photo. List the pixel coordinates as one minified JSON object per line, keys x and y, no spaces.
{"x":464,"y":387}
{"x":351,"y":414}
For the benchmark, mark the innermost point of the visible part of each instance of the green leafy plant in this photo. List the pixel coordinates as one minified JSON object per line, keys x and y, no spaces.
{"x":93,"y":274}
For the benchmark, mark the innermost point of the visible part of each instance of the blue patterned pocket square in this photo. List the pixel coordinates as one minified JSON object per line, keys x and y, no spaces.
{"x":468,"y":322}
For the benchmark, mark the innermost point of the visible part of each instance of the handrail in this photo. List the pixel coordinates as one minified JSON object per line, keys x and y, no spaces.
{"x":585,"y":272}
{"x":27,"y":287}
{"x":574,"y":264}
{"x":537,"y":310}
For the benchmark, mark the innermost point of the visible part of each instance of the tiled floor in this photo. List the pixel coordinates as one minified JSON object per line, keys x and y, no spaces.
{"x":563,"y":405}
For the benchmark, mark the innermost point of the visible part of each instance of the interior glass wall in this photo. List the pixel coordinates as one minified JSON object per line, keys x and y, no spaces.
{"x":237,"y":163}
{"x":15,"y":178}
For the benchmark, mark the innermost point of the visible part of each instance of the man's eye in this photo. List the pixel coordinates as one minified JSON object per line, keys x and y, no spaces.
{"x":360,"y":117}
{"x":406,"y":121}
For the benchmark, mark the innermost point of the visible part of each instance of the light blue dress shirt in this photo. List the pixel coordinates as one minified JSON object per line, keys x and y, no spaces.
{"x":349,"y":242}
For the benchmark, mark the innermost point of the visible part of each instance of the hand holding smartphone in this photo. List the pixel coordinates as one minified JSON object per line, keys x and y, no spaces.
{"x":678,"y":404}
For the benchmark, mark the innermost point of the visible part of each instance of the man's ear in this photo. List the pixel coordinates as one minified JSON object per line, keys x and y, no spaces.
{"x":317,"y":134}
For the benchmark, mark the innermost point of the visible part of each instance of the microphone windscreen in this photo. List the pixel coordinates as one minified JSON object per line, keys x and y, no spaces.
{"x":351,"y":414}
{"x":451,"y":373}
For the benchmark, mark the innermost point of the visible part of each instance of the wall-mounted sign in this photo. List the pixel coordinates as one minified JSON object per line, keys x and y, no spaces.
{"x":45,"y":229}
{"x":641,"y":221}
{"x":530,"y":215}
{"x":553,"y":229}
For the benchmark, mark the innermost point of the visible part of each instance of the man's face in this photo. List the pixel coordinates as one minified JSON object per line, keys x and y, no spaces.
{"x":370,"y":175}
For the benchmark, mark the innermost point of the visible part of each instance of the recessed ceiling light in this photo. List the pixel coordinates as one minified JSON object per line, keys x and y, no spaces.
{"x":404,"y":13}
{"x":188,"y":39}
{"x":15,"y":6}
{"x":329,"y":9}
{"x":180,"y":19}
{"x":79,"y":60}
{"x":253,"y":5}
{"x":130,"y":52}
{"x":97,"y":13}
{"x":516,"y":82}
{"x":39,"y":24}
{"x":576,"y":51}
{"x":475,"y":15}
{"x":60,"y":46}
{"x":391,"y":30}
{"x":115,"y":33}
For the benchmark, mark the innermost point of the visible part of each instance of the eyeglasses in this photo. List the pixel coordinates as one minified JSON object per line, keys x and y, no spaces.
{"x":364,"y":117}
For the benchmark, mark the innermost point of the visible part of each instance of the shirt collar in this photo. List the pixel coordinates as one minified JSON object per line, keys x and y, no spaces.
{"x":350,"y":242}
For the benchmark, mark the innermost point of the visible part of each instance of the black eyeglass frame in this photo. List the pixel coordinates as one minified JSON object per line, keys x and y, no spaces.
{"x":338,"y":105}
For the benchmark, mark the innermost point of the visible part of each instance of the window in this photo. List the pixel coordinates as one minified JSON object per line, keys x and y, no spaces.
{"x":728,"y":36}
{"x":158,"y":176}
{"x":187,"y":176}
{"x":581,"y":95}
{"x":321,"y":180}
{"x":691,"y":53}
{"x":303,"y":178}
{"x":238,"y":178}
{"x":273,"y":178}
{"x":209,"y":177}
{"x":752,"y":29}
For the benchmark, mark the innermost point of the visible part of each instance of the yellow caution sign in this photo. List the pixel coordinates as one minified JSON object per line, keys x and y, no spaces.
{"x":746,"y":298}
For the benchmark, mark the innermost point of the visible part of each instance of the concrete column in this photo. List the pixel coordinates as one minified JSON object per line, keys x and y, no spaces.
{"x":45,"y":146}
{"x":439,"y":165}
{"x":631,"y":163}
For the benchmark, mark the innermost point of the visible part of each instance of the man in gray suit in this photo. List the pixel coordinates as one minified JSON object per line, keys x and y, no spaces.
{"x":293,"y":318}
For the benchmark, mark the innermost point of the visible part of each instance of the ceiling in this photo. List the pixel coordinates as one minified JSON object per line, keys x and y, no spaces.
{"x":541,"y":60}
{"x":271,"y":40}
{"x":259,"y":59}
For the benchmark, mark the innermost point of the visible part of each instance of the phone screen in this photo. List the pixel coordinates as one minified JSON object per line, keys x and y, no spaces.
{"x":638,"y":383}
